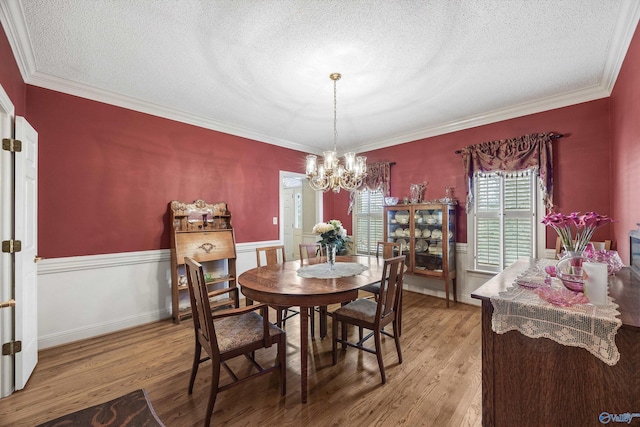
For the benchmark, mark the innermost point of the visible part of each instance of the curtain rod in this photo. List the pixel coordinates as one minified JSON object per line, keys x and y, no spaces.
{"x":554,"y":136}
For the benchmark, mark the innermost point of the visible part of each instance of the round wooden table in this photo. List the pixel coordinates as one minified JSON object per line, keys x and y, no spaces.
{"x":280,"y":285}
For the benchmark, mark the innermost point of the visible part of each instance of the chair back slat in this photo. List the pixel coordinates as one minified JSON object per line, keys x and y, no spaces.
{"x":201,"y":307}
{"x":388,"y":250}
{"x":310,"y":250}
{"x":390,"y":287}
{"x":270,"y":255}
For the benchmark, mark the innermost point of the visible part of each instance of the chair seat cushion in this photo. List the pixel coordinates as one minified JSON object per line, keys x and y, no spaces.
{"x":237,"y":331}
{"x":361,"y":309}
{"x":373,"y":288}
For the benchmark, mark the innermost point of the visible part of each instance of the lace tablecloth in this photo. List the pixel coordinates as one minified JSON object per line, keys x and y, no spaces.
{"x":582,"y":325}
{"x":323,"y":270}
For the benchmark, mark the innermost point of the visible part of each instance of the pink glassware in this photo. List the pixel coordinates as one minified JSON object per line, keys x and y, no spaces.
{"x":550,"y":270}
{"x":561,"y":297}
{"x":611,"y":258}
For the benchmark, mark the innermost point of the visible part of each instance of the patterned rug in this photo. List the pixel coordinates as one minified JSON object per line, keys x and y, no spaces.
{"x":133,"y":410}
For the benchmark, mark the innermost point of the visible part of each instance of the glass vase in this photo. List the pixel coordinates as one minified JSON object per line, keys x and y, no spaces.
{"x":569,"y":270}
{"x":331,"y":249}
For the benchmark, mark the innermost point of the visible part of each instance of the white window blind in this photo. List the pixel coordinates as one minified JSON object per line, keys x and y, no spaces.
{"x":367,"y":221}
{"x":505,"y":218}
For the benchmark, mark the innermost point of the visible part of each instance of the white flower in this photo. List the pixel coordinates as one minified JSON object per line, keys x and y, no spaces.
{"x":322,"y":227}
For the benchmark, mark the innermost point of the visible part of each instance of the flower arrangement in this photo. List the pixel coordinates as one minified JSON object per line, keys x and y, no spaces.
{"x":584,"y":226}
{"x":332,"y":232}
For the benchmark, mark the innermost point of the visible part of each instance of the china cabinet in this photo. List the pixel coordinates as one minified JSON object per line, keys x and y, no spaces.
{"x":426,"y":233}
{"x":203,"y":232}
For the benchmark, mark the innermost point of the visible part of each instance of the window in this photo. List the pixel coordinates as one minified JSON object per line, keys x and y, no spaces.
{"x":367,"y":221}
{"x":504,"y":218}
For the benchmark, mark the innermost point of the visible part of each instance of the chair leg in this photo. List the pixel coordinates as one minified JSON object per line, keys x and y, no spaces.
{"x":215,"y":378}
{"x":312,"y":315}
{"x":376,"y":336}
{"x":399,"y":316}
{"x":194,"y":367}
{"x":344,"y":334}
{"x":279,"y":317}
{"x":323,"y":321}
{"x":334,"y":339}
{"x":282,"y":360}
{"x":396,"y":337}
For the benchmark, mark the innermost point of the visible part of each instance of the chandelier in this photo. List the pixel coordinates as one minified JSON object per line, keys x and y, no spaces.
{"x":333,"y":174}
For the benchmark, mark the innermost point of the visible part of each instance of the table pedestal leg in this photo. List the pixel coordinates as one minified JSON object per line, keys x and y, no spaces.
{"x":304,"y":349}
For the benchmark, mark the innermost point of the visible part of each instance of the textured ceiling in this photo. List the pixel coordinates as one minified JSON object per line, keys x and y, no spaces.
{"x":260,"y":69}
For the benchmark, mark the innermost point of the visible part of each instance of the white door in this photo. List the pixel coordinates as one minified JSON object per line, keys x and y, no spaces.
{"x":287,"y":221}
{"x":6,"y":233}
{"x":26,"y":230}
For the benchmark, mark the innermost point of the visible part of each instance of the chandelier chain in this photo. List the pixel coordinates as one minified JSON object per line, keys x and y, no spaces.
{"x":335,"y":114}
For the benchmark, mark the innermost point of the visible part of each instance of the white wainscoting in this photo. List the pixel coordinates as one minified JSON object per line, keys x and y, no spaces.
{"x":87,"y":296}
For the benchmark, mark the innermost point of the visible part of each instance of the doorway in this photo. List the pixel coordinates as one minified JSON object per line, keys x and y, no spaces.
{"x":300,"y":210}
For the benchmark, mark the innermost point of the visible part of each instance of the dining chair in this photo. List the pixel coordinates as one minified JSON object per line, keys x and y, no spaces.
{"x":606,"y":245}
{"x":373,"y":315}
{"x":312,"y":253}
{"x":230,"y":333}
{"x":386,"y":250}
{"x":271,"y":255}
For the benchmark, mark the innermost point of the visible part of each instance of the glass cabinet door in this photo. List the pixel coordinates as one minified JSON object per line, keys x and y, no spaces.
{"x":451,"y":246}
{"x":399,"y":228}
{"x":428,"y":240}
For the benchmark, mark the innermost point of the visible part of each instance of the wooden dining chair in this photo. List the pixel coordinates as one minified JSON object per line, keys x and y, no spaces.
{"x":312,"y":253}
{"x":606,"y":245}
{"x":271,"y":255}
{"x":373,"y":315}
{"x":227,"y":334}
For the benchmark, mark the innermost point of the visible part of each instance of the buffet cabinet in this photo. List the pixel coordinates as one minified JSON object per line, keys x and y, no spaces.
{"x":426,"y":233}
{"x":202,"y":231}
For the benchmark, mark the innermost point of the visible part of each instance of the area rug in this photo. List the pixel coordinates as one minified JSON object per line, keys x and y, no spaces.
{"x":132,"y":410}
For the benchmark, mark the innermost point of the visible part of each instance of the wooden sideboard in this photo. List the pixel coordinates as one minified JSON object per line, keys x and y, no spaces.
{"x":538,"y":382}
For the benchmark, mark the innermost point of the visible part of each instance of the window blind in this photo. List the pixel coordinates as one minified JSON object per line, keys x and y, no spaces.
{"x":505,"y":218}
{"x":368,"y":224}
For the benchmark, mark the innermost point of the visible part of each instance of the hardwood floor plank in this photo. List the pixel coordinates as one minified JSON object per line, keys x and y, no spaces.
{"x":439,"y":382}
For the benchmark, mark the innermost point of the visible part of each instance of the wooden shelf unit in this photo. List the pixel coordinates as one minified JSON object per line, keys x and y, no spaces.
{"x":426,"y":232}
{"x":203,"y":232}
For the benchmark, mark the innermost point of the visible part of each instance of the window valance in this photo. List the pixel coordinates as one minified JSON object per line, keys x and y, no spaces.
{"x":378,"y":178}
{"x":511,"y":155}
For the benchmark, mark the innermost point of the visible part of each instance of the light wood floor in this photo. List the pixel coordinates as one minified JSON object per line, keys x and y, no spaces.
{"x":438,"y":384}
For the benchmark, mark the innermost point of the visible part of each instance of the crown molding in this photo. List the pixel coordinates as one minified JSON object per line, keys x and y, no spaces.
{"x":15,"y":28}
{"x":525,"y":109}
{"x":625,"y":29}
{"x":112,"y":98}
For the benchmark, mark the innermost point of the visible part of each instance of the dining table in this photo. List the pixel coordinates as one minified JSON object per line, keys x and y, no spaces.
{"x":283,"y":285}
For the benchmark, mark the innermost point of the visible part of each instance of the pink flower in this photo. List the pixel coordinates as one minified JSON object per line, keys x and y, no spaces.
{"x":584,"y":225}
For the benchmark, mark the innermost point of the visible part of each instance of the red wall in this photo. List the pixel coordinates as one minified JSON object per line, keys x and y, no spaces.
{"x":581,"y":160}
{"x":625,"y":147}
{"x":107,"y":175}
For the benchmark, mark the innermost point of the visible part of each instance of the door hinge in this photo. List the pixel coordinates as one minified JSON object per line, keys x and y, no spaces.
{"x":11,"y":246}
{"x":11,"y":348}
{"x":12,"y":145}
